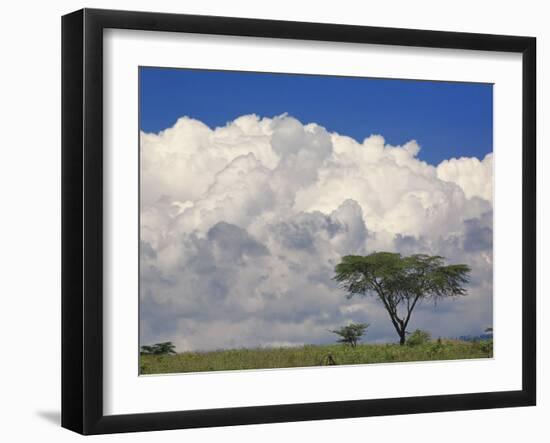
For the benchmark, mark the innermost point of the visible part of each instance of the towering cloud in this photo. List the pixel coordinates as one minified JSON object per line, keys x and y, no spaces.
{"x":241,"y":227}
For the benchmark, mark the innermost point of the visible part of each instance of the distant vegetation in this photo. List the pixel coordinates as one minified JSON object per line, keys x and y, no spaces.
{"x":352,"y":333}
{"x":476,"y":337}
{"x":165,"y":348}
{"x":312,"y":355}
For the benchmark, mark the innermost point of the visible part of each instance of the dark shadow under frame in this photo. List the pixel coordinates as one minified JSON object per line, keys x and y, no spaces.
{"x":82,"y":221}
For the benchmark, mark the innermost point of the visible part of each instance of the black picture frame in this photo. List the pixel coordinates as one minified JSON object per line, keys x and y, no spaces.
{"x":82,"y":218}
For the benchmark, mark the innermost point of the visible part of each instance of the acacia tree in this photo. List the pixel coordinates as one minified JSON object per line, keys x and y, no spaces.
{"x":351,"y":333}
{"x":400,"y":283}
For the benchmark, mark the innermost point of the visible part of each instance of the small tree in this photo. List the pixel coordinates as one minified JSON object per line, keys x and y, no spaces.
{"x":352,"y":333}
{"x":146,"y":350}
{"x":400,"y":283}
{"x":164,"y":348}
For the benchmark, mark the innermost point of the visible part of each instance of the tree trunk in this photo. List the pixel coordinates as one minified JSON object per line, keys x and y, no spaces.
{"x":399,"y":328}
{"x":402,"y":338}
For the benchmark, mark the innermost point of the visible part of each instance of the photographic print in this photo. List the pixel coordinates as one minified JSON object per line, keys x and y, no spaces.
{"x":297,"y":220}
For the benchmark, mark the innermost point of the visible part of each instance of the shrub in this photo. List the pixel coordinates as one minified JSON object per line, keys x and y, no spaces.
{"x":418,"y":338}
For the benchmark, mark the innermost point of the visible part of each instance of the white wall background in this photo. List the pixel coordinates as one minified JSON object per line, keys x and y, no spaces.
{"x":30,"y":219}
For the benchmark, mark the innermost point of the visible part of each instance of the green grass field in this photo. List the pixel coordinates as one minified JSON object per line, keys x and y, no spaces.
{"x":310,"y":355}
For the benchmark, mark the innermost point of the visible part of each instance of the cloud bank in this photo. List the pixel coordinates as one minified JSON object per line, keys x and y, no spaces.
{"x":242,"y":225}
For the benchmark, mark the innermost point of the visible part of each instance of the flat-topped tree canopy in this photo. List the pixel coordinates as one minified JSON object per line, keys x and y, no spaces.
{"x":401,"y":282}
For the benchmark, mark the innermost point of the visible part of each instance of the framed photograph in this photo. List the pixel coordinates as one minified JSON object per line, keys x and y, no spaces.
{"x":269,"y":221}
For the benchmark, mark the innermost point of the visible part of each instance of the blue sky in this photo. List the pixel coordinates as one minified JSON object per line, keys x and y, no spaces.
{"x":447,"y":119}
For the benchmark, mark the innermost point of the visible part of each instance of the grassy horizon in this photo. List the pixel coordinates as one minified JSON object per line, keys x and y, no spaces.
{"x":313,"y":355}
